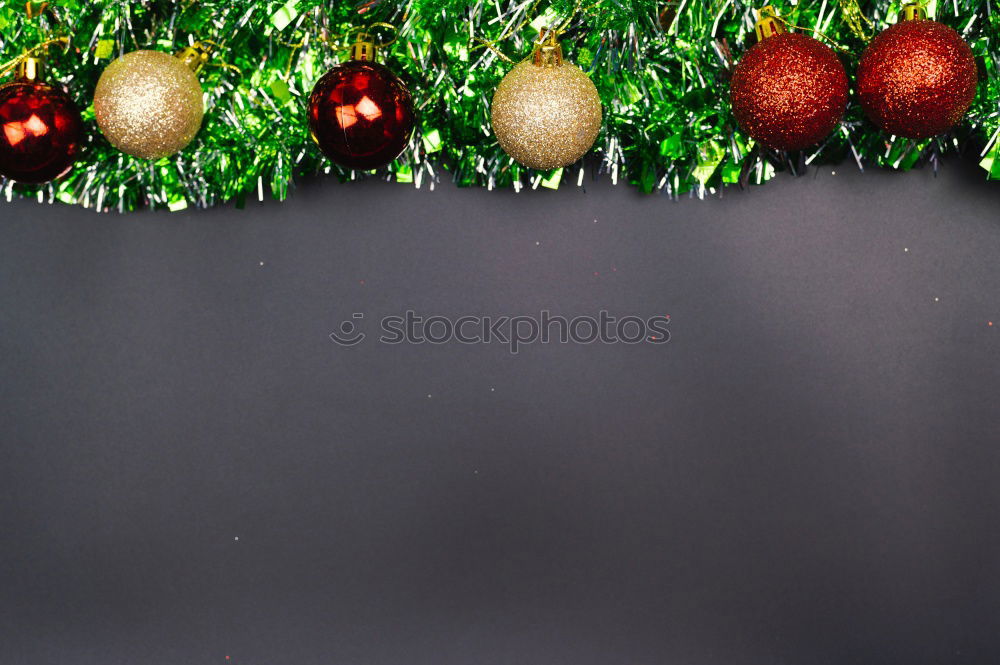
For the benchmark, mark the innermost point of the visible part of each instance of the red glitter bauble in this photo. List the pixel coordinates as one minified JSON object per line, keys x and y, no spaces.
{"x":361,"y":115}
{"x":40,"y":131}
{"x":916,"y":79}
{"x":788,"y":91}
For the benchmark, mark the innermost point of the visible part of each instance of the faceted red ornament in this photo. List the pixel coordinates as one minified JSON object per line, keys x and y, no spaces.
{"x":361,"y":115}
{"x":917,"y":79}
{"x":40,"y":131}
{"x":788,"y":91}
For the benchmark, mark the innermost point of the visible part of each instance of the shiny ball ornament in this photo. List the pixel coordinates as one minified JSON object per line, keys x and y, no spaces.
{"x":546,"y":112}
{"x":149,"y":104}
{"x":789,"y":91}
{"x":917,"y":79}
{"x":40,"y":132}
{"x":360,"y":113}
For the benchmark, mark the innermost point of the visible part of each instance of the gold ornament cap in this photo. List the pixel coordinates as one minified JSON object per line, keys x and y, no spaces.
{"x":363,"y":49}
{"x":195,"y":56}
{"x":548,"y":53}
{"x":768,"y":23}
{"x":913,"y":12}
{"x":29,"y":69}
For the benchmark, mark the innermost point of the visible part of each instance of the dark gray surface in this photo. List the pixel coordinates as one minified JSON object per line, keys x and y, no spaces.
{"x":806,"y":473}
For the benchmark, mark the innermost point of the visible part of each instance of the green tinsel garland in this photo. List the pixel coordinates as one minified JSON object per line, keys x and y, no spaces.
{"x":661,"y":69}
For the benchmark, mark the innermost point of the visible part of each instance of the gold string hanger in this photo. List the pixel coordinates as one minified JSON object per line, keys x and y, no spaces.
{"x":545,"y":34}
{"x":27,"y":65}
{"x":769,"y":24}
{"x":28,"y":55}
{"x":856,"y":21}
{"x":39,"y":10}
{"x":364,"y":46}
{"x":31,"y":12}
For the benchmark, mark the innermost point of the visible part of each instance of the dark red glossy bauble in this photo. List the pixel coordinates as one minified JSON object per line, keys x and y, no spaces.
{"x":789,"y":91}
{"x":361,"y":115}
{"x":40,"y":131}
{"x":917,"y":79}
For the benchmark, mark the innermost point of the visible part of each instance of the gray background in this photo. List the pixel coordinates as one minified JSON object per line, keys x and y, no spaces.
{"x":806,"y":473}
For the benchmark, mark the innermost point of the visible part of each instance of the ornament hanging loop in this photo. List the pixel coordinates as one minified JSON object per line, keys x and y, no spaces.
{"x":548,"y":51}
{"x":768,"y":23}
{"x":35,"y":10}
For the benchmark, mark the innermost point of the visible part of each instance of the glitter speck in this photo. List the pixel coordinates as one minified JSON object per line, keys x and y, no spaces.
{"x":236,"y":538}
{"x":936,"y":299}
{"x":906,"y":249}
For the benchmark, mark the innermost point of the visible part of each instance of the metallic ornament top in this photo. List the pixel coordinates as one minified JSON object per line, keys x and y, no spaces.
{"x":917,"y":79}
{"x":788,"y":91}
{"x":149,"y":104}
{"x":40,"y":128}
{"x":546,"y":112}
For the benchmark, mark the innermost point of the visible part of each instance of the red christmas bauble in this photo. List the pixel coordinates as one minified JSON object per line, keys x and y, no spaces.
{"x":361,"y":115}
{"x":917,"y":79}
{"x":788,"y":91}
{"x":40,"y":131}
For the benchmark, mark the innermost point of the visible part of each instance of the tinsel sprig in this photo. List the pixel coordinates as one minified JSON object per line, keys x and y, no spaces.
{"x":661,"y":67}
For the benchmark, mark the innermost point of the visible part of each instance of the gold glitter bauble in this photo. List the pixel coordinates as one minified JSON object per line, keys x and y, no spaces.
{"x":546,"y":115}
{"x":149,"y":104}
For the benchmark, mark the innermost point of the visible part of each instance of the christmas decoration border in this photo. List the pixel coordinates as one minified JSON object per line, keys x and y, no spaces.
{"x":661,"y":68}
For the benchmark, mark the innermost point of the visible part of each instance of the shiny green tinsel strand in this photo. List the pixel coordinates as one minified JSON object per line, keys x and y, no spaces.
{"x":661,"y":67}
